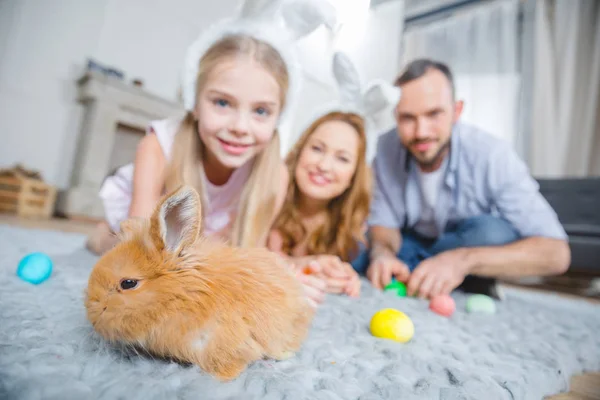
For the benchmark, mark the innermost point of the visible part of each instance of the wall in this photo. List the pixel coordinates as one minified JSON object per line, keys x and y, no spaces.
{"x":45,"y":44}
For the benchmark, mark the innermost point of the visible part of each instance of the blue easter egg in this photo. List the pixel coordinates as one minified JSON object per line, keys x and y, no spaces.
{"x":35,"y":268}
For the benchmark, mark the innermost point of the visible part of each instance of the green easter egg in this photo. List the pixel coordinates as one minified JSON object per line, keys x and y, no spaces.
{"x":480,"y":303}
{"x":396,"y":287}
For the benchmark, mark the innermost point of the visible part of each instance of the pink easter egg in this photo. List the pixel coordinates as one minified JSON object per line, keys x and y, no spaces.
{"x":443,"y":305}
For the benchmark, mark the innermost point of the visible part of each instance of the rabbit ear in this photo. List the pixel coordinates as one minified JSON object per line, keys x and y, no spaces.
{"x":176,"y":222}
{"x":347,"y":78}
{"x":302,"y":17}
{"x":379,"y":96}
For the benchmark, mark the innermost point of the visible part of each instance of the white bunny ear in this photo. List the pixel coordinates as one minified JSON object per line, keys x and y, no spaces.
{"x":304,"y":16}
{"x":379,"y":96}
{"x":257,"y":8}
{"x":348,"y":80}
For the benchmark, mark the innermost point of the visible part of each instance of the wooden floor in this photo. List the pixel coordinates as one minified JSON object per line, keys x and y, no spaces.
{"x":583,"y":387}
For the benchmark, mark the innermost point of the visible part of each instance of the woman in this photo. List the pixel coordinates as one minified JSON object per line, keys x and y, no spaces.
{"x":327,"y":202}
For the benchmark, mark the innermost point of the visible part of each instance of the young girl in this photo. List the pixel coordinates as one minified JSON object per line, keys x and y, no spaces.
{"x":238,"y":80}
{"x":327,"y":201}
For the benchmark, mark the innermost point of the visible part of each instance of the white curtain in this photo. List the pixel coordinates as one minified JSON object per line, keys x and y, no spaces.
{"x":480,"y":44}
{"x":565,"y":139}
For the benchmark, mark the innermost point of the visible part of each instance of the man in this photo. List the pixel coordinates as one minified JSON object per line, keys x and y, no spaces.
{"x":452,"y":202}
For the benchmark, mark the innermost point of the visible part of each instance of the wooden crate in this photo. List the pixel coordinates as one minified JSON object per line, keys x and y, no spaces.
{"x":23,"y":193}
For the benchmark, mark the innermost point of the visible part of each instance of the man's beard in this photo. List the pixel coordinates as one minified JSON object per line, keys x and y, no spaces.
{"x":433,"y":160}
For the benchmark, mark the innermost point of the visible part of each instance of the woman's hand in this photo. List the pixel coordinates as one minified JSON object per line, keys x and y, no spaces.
{"x":353,"y":287}
{"x":314,"y":286}
{"x":339,"y":276}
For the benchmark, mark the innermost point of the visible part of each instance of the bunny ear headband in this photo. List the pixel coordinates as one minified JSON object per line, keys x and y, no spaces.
{"x":279,"y":26}
{"x":377,"y":96}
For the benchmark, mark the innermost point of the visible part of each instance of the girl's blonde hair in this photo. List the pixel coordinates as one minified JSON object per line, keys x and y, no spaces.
{"x":257,"y":203}
{"x":347,"y":213}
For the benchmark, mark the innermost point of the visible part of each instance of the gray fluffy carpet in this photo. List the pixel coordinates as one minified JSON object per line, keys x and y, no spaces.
{"x":529,"y":349}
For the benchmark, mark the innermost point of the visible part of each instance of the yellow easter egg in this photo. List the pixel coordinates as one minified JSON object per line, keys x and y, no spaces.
{"x":392,"y":324}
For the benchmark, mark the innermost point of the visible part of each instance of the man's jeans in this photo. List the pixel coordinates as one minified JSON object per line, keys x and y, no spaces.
{"x":483,"y":230}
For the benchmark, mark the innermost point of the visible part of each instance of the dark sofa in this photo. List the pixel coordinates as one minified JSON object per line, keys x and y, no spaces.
{"x":577,"y":203}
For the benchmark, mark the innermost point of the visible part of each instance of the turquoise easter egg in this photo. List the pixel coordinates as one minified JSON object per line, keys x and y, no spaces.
{"x":35,"y":268}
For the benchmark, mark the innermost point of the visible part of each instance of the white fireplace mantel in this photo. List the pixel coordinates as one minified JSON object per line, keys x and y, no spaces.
{"x":109,"y":102}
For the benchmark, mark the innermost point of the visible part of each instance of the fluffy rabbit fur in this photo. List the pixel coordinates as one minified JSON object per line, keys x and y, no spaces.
{"x":169,"y":290}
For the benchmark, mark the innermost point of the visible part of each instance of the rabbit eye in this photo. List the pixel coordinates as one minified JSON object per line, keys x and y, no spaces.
{"x":127,"y":284}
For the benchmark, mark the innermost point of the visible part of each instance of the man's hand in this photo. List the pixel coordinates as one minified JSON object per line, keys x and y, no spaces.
{"x":383,"y":267}
{"x":438,"y":275}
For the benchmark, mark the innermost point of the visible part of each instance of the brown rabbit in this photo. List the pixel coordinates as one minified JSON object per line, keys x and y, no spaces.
{"x":167,"y":289}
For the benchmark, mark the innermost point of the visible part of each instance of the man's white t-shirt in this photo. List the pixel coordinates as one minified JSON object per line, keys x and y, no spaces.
{"x":430,"y":184}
